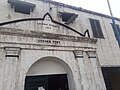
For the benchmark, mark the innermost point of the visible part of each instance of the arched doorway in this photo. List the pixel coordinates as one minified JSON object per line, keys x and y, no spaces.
{"x":49,"y":73}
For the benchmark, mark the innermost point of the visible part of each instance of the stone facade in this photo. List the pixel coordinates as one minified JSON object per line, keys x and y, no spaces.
{"x":29,"y":41}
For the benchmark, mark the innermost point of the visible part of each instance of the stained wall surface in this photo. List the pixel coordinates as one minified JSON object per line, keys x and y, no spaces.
{"x":24,"y":43}
{"x":107,"y":48}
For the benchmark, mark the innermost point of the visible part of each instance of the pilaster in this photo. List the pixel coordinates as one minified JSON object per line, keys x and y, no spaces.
{"x":11,"y":68}
{"x":96,"y":68}
{"x":79,"y":55}
{"x":90,"y":71}
{"x":12,"y":52}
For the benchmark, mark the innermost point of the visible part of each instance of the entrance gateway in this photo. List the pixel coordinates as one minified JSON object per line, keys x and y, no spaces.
{"x":47,"y":82}
{"x":43,"y":54}
{"x":47,"y":74}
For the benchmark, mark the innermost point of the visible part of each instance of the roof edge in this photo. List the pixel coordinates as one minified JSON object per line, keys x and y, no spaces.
{"x":78,"y":9}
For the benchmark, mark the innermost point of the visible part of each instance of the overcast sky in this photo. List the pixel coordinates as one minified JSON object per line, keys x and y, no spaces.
{"x":100,"y":6}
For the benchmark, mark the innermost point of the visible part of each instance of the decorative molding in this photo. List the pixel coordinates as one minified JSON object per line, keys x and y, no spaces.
{"x":42,"y":19}
{"x":110,"y":66}
{"x":91,"y":54}
{"x":38,"y":34}
{"x":78,"y":54}
{"x":12,"y":51}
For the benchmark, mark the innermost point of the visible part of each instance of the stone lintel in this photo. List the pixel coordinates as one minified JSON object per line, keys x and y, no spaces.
{"x":91,"y":54}
{"x":12,"y":51}
{"x":78,"y":54}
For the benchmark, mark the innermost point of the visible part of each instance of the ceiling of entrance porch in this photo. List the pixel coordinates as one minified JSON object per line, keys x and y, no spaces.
{"x":46,"y":67}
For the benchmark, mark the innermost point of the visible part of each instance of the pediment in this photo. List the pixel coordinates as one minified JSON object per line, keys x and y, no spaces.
{"x":45,"y":24}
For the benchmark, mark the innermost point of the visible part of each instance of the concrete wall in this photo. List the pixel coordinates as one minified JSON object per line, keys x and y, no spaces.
{"x":83,"y":72}
{"x":82,"y":67}
{"x":107,"y":49}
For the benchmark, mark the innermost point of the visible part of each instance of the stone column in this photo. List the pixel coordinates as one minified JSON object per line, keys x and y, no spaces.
{"x":11,"y":68}
{"x":82,"y":69}
{"x":97,"y":73}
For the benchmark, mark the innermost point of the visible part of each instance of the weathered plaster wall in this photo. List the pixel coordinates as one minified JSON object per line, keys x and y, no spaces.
{"x":33,"y":45}
{"x":20,"y":50}
{"x":108,"y":49}
{"x":83,"y":71}
{"x":35,"y":55}
{"x":2,"y":61}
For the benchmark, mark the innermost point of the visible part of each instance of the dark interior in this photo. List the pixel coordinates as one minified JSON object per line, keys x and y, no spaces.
{"x":48,"y":82}
{"x":22,"y":6}
{"x":112,"y":77}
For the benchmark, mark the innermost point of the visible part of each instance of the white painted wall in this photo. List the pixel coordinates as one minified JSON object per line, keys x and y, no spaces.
{"x":31,"y":52}
{"x":108,"y":49}
{"x":63,"y":59}
{"x":46,"y":67}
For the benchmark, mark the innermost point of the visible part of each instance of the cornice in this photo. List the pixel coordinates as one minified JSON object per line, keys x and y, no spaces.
{"x":38,"y":34}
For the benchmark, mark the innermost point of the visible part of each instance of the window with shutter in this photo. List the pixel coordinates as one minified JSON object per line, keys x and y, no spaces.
{"x":96,"y":28}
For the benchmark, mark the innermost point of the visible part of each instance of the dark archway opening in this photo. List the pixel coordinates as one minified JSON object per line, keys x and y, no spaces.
{"x":47,"y":82}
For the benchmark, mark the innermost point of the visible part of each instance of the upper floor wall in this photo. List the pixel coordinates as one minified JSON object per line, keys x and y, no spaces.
{"x":108,"y":48}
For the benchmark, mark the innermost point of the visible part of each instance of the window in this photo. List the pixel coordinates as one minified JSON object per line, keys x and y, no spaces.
{"x":117,"y":37}
{"x":22,"y":6}
{"x":96,"y":28}
{"x":68,"y":17}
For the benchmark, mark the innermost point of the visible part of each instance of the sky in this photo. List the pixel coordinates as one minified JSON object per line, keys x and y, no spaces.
{"x":100,"y":6}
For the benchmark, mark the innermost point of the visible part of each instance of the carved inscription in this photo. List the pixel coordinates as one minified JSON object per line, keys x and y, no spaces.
{"x":51,"y":42}
{"x":47,"y":23}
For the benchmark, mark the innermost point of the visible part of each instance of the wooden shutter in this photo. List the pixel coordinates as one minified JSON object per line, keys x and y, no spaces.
{"x":93,"y":26}
{"x":96,"y":28}
{"x":99,"y":30}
